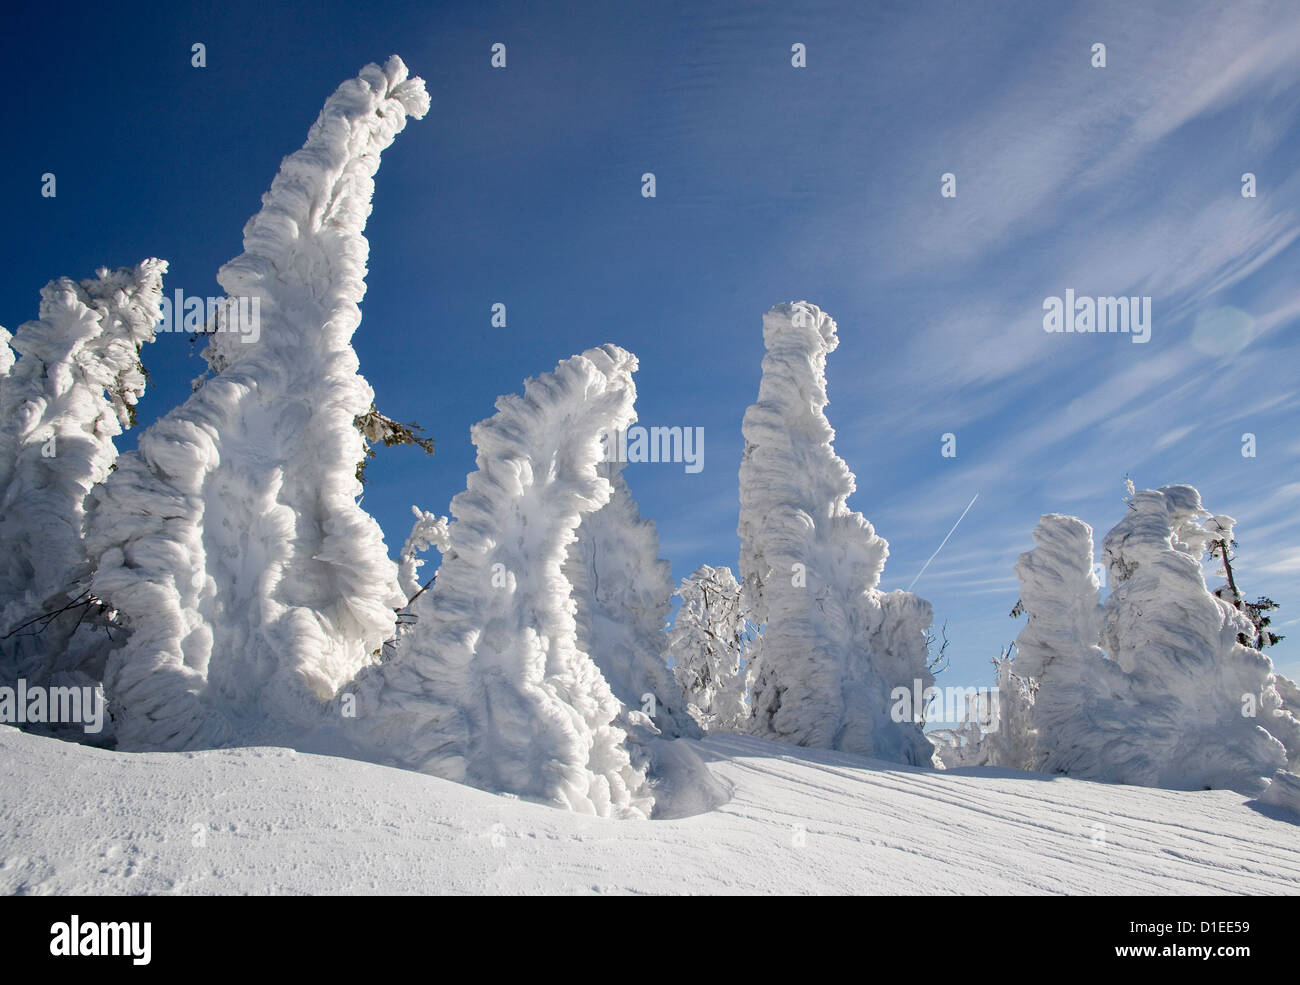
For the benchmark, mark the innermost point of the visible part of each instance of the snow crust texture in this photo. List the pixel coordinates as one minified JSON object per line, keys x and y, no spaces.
{"x":77,"y":820}
{"x":232,"y":543}
{"x":833,"y":645}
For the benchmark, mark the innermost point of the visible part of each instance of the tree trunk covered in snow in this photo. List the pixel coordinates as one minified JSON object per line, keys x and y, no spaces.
{"x":833,"y":646}
{"x":491,"y":686}
{"x":61,"y":405}
{"x":232,"y":543}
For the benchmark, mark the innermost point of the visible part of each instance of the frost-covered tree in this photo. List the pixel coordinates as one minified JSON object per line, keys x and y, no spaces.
{"x":1283,"y":791}
{"x":1171,"y":635}
{"x":429,"y":530}
{"x":1152,"y":688}
{"x":1259,"y":636}
{"x":623,"y":591}
{"x":1289,"y":692}
{"x":7,"y":356}
{"x":61,"y":405}
{"x":380,"y":430}
{"x":833,"y":646}
{"x":708,"y":641}
{"x":1079,"y":691}
{"x":232,"y":542}
{"x":997,"y":729}
{"x":1220,"y":547}
{"x":491,"y":687}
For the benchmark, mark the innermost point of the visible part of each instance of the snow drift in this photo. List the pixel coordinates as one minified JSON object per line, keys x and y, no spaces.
{"x":89,"y":821}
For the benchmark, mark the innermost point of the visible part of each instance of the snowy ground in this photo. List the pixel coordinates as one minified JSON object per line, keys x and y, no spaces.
{"x":80,"y":820}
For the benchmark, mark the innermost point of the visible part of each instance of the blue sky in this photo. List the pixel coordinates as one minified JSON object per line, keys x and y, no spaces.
{"x":522,"y":186}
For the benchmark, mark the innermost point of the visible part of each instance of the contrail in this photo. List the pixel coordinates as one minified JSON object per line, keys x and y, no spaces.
{"x":945,"y":540}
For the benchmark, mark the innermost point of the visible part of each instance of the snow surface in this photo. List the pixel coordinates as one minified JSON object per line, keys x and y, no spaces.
{"x":75,"y":819}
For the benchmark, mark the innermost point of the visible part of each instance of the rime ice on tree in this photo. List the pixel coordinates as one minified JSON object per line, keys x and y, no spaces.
{"x":61,"y":405}
{"x":708,"y":642}
{"x":623,"y":591}
{"x":491,"y":687}
{"x":997,"y":729}
{"x":232,"y":543}
{"x":833,"y":646}
{"x":1175,"y":701}
{"x":429,"y":530}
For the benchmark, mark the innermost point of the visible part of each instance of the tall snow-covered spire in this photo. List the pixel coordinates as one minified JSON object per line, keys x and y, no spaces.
{"x":491,"y":687}
{"x":1060,"y":592}
{"x":61,"y":405}
{"x":232,"y":542}
{"x":1078,"y":687}
{"x":833,"y":646}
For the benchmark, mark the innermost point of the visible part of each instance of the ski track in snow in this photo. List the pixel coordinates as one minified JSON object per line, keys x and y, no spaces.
{"x":75,"y":819}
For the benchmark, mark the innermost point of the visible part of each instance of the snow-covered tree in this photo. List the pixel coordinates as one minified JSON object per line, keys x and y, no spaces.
{"x":997,"y":729}
{"x":429,"y":530}
{"x":708,"y":642}
{"x":61,"y":405}
{"x":833,"y":646}
{"x":380,"y":430}
{"x":1283,"y":791}
{"x":1153,"y":688}
{"x":1180,"y":643}
{"x":1012,"y":742}
{"x":1078,"y":689}
{"x":491,"y":687}
{"x":7,"y":355}
{"x":1289,"y":692}
{"x":232,"y":542}
{"x":623,"y":591}
{"x":1259,"y":636}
